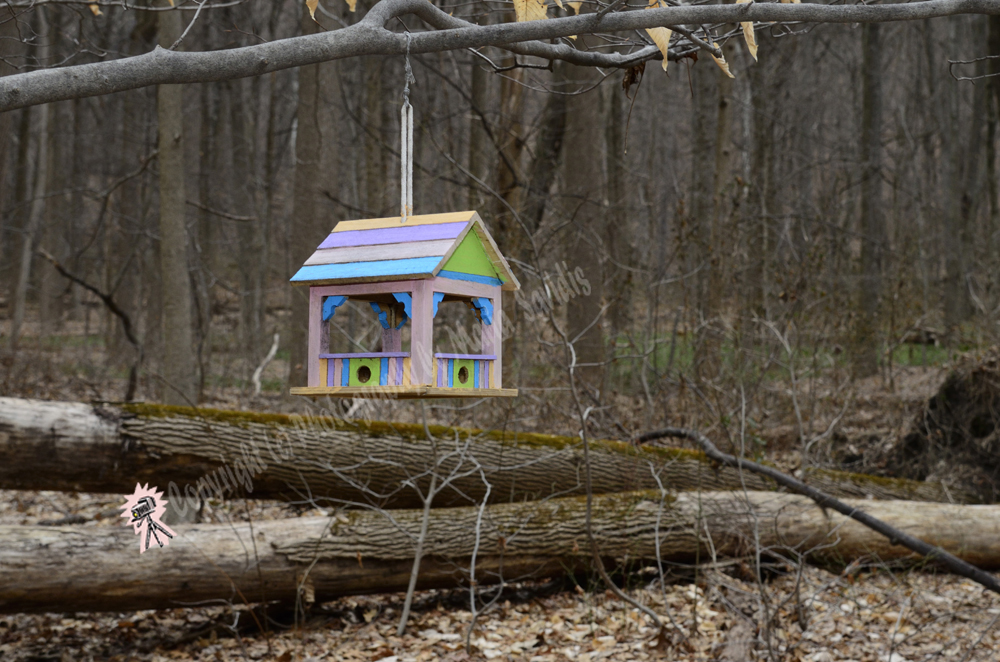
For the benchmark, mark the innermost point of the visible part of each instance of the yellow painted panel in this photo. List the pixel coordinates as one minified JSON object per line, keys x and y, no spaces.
{"x":324,"y":365}
{"x":394,"y":221}
{"x":406,"y":371}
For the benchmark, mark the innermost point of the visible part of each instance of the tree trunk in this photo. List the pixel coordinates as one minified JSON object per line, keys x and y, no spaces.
{"x":33,"y":221}
{"x":77,"y":568}
{"x":480,"y":147}
{"x":866,"y":338}
{"x":993,"y":106}
{"x":316,"y":166}
{"x":74,"y":446}
{"x":179,"y":356}
{"x":583,"y":189}
{"x":957,"y":306}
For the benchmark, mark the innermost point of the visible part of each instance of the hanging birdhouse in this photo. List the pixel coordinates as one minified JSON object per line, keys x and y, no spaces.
{"x":404,"y":271}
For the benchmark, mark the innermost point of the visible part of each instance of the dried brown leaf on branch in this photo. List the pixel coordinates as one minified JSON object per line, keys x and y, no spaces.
{"x":632,"y":76}
{"x":748,"y":33}
{"x":721,"y":61}
{"x":660,"y":36}
{"x":529,"y":10}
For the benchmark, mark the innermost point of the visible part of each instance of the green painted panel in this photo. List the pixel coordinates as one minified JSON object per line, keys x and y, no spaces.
{"x":470,"y":374}
{"x":358,"y":366}
{"x":471,"y":258}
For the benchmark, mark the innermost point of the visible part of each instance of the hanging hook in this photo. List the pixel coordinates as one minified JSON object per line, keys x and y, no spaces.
{"x":406,"y":143}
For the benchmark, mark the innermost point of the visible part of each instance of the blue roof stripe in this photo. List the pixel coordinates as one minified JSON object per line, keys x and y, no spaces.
{"x":407,"y":267}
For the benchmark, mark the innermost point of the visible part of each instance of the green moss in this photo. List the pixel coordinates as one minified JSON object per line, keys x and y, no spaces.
{"x":411,"y":431}
{"x":861,"y":480}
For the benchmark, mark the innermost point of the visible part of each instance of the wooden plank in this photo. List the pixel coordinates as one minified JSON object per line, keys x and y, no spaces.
{"x":399,"y":371}
{"x":338,"y":371}
{"x":363,"y":355}
{"x":466,"y":288}
{"x":402,"y":392}
{"x":378,"y":253}
{"x":465,"y":356}
{"x":496,"y":370}
{"x":359,"y":289}
{"x":422,"y":334}
{"x":380,"y":269}
{"x":406,"y":371}
{"x":324,"y":369}
{"x":395,"y":221}
{"x":404,"y":234}
{"x":312,"y":358}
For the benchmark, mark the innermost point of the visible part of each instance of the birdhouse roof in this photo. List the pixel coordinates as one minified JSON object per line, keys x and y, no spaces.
{"x":455,"y":245}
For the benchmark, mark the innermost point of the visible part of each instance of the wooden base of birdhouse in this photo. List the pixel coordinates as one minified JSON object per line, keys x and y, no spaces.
{"x":401,"y":392}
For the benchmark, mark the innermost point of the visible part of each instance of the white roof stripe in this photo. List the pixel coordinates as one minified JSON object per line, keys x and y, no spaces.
{"x":373,"y":252}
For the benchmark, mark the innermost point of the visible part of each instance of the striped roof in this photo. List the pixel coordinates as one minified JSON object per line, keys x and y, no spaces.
{"x":455,"y":245}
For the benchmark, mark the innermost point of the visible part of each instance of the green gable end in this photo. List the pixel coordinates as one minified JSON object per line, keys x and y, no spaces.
{"x":470,"y":258}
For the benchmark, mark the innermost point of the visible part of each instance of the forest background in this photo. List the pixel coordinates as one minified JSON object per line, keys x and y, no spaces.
{"x":752,"y":245}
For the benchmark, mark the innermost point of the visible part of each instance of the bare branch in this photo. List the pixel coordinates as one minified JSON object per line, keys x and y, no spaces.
{"x":370,"y":37}
{"x":953,"y":563}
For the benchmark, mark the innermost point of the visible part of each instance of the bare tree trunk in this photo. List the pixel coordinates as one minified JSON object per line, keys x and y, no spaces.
{"x":32,"y":226}
{"x":305,"y":207}
{"x":52,"y":234}
{"x":700,"y":216}
{"x":866,"y":348}
{"x":78,"y":447}
{"x":480,"y":147}
{"x":992,"y":135}
{"x":42,"y":567}
{"x":253,"y":257}
{"x":178,"y":364}
{"x":956,"y":293}
{"x":583,"y":189}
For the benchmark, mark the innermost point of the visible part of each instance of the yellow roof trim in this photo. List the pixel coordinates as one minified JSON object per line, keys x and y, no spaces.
{"x":394,"y":221}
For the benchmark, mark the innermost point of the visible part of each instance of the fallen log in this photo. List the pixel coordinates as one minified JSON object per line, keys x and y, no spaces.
{"x":214,"y":453}
{"x":95,"y":568}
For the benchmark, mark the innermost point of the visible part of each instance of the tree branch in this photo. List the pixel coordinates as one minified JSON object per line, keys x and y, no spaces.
{"x":370,"y":37}
{"x":895,"y":536}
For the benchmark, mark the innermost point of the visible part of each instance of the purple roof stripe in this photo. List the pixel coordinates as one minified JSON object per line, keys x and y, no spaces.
{"x":398,"y":235}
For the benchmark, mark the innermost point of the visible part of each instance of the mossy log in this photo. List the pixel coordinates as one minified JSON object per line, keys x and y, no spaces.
{"x":83,"y":568}
{"x":218,"y":454}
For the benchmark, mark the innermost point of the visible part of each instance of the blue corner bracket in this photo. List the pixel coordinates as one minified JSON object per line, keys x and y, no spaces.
{"x":383,"y":316}
{"x":485,"y":308}
{"x":407,"y":301}
{"x":438,"y":298}
{"x":330,"y":305}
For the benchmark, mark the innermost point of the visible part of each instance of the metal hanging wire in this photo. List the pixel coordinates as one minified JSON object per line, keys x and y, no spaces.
{"x":406,"y":144}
